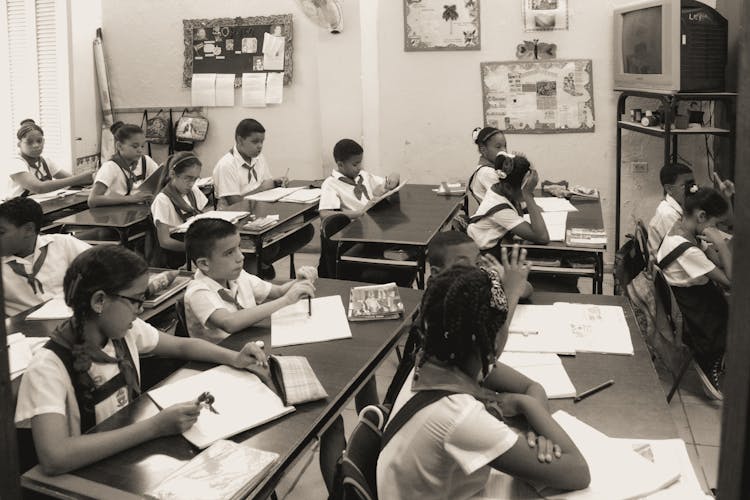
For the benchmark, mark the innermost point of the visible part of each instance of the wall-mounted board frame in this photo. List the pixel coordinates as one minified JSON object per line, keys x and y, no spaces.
{"x":238,"y":45}
{"x":439,"y":25}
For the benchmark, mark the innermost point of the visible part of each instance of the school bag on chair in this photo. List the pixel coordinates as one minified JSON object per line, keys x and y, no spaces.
{"x":356,"y":475}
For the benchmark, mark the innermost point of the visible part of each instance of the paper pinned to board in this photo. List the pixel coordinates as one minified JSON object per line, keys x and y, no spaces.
{"x":544,"y":368}
{"x":203,"y":89}
{"x":241,"y":401}
{"x":225,"y":89}
{"x":291,"y":325}
{"x":254,"y":90}
{"x":555,"y":222}
{"x":275,"y":88}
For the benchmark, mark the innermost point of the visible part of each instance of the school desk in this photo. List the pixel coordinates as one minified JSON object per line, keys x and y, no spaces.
{"x":588,"y":216}
{"x":342,"y":366}
{"x":409,"y":219}
{"x":55,"y":208}
{"x":123,"y":219}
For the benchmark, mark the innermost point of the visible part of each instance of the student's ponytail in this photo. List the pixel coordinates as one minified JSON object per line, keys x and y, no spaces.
{"x":124,"y":131}
{"x":27,"y":126}
{"x":707,"y":199}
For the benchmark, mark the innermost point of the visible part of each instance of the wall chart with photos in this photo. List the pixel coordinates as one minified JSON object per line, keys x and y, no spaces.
{"x":238,"y":45}
{"x":441,"y":25}
{"x":545,"y":15}
{"x":538,"y":97}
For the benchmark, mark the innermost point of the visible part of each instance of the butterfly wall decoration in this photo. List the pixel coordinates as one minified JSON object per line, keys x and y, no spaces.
{"x":535,"y":50}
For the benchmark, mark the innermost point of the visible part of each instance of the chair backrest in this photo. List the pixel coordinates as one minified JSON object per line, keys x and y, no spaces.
{"x":329,"y":226}
{"x":632,"y":257}
{"x":663,"y":294}
{"x":181,"y":330}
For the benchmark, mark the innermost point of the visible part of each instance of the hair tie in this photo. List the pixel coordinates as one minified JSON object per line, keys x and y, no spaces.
{"x":505,"y":154}
{"x":475,"y":133}
{"x":694,"y":188}
{"x":183,"y":159}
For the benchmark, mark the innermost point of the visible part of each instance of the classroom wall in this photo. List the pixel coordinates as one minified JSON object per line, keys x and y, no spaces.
{"x":144,"y":49}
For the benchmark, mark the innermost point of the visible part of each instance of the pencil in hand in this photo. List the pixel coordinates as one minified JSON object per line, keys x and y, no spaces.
{"x":309,"y":306}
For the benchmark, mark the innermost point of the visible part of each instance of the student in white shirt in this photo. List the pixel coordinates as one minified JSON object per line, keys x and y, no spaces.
{"x":74,"y":382}
{"x":500,"y":213}
{"x":447,"y":449}
{"x":675,"y":179}
{"x":490,"y":141}
{"x":33,"y":264}
{"x":243,"y":171}
{"x":350,"y":189}
{"x":223,"y":298}
{"x":117,"y":180}
{"x":178,"y":200}
{"x":30,"y":173}
{"x":697,"y":278}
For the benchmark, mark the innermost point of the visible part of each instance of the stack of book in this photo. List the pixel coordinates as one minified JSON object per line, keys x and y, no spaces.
{"x":368,"y":303}
{"x":580,"y":237}
{"x":451,"y":189}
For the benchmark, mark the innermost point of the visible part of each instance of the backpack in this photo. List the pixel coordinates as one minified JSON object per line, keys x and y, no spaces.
{"x":156,"y":129}
{"x":356,"y":474}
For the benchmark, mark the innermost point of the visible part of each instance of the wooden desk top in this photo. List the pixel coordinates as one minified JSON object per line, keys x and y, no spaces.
{"x":342,"y":367}
{"x":411,"y":217}
{"x":635,"y":406}
{"x":58,"y":204}
{"x":285,"y":211}
{"x":116,"y":216}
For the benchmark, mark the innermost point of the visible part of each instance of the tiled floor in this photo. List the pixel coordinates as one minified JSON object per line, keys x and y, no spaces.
{"x":698,"y":420}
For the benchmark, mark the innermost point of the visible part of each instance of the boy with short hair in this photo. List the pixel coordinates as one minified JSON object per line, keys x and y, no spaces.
{"x":350,"y":189}
{"x":674,"y":177}
{"x":34,"y":264}
{"x":223,"y":298}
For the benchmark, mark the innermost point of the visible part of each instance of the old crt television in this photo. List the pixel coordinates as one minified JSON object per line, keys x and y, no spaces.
{"x":669,"y":45}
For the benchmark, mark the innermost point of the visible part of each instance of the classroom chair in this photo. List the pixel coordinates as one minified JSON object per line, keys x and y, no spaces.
{"x":181,"y":330}
{"x":329,"y":226}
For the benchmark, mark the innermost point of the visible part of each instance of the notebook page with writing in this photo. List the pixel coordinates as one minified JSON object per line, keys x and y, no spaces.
{"x":291,"y":325}
{"x":536,"y":328}
{"x":596,"y":328}
{"x":241,"y":400}
{"x":545,"y":368}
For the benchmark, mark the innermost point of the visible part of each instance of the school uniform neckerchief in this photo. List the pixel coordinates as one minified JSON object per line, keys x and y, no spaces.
{"x":252,"y":175}
{"x":128,"y":170}
{"x":39,"y":168}
{"x":483,"y":162}
{"x":31,"y":278}
{"x":227,"y":296}
{"x":359,"y":186}
{"x":183,"y":209}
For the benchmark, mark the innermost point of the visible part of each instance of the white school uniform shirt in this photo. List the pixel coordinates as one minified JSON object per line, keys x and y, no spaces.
{"x":113,"y":177}
{"x":667,"y":213}
{"x":231,"y":178}
{"x":62,"y":249}
{"x":162,"y":209}
{"x":443,"y":451}
{"x":337,"y":195}
{"x":46,"y":386}
{"x":18,"y":166}
{"x":487,"y":232}
{"x":485,"y":177}
{"x":202,"y":300}
{"x":690,"y":268}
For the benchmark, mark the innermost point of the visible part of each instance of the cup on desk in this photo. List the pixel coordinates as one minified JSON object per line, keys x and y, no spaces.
{"x":636,"y":114}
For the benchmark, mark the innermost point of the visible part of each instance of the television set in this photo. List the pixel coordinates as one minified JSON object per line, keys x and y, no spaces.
{"x":669,"y":45}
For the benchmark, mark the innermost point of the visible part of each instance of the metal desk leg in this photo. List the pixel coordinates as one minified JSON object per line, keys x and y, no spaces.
{"x":292,"y":270}
{"x":337,"y":262}
{"x":421,"y":270}
{"x":258,"y":253}
{"x":599,"y":282}
{"x":123,"y":234}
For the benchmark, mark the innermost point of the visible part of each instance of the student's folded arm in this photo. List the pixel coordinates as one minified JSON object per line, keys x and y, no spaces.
{"x":165,"y":238}
{"x":225,"y":201}
{"x":193,"y":349}
{"x":59,"y":452}
{"x":719,"y":277}
{"x":536,"y":231}
{"x":28,"y":181}
{"x":97,"y":198}
{"x":503,"y":378}
{"x":233,"y":322}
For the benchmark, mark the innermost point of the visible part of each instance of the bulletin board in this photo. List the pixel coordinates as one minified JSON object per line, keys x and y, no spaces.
{"x":538,"y":97}
{"x":236,"y":45}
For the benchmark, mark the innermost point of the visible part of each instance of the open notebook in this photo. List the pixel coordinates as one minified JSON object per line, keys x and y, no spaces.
{"x":227,"y":215}
{"x":291,"y":325}
{"x":242,"y":402}
{"x":537,"y":329}
{"x":544,"y":368}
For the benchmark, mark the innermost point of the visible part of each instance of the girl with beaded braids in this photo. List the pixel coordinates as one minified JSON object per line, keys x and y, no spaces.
{"x":447,"y":449}
{"x":89,"y":369}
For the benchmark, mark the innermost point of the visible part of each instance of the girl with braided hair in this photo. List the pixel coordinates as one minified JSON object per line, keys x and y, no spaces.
{"x":89,"y":369}
{"x":447,"y":449}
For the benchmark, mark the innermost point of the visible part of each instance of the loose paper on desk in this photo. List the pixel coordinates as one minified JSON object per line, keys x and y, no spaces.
{"x":292,"y":326}
{"x":617,"y":473}
{"x":225,"y":89}
{"x":275,"y":88}
{"x":303,"y":196}
{"x":58,"y":193}
{"x":274,"y":194}
{"x":538,"y":329}
{"x":596,"y":328}
{"x":203,"y":89}
{"x":545,"y":368}
{"x":555,"y":222}
{"x":224,"y":470}
{"x":20,"y":351}
{"x":241,"y":400}
{"x":669,"y":451}
{"x":254,"y":90}
{"x":54,"y":309}
{"x":554,"y":204}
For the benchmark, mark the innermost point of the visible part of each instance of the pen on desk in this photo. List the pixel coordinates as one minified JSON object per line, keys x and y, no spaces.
{"x":525,"y":333}
{"x":593,"y":390}
{"x":309,"y":306}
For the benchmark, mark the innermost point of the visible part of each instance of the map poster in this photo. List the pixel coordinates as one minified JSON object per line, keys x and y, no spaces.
{"x":538,"y":97}
{"x":545,"y":15}
{"x":441,"y":25}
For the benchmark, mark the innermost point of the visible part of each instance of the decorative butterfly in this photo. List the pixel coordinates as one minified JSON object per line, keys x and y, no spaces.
{"x":450,"y":13}
{"x":534,"y":50}
{"x":470,"y":37}
{"x":470,"y":4}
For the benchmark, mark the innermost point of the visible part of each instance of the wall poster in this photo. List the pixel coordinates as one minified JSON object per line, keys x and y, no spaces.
{"x":441,"y":25}
{"x":538,"y":97}
{"x":545,"y":15}
{"x":238,"y":45}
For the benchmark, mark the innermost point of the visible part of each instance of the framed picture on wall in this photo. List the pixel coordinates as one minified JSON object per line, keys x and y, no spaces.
{"x":545,"y":15}
{"x":238,"y":45}
{"x":441,"y":25}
